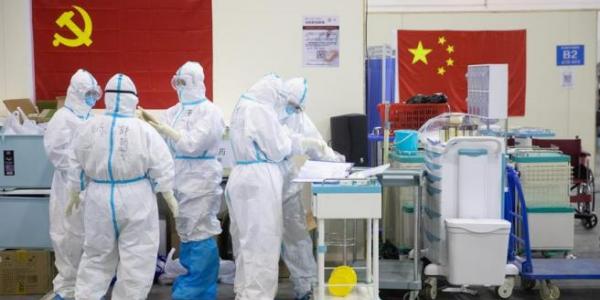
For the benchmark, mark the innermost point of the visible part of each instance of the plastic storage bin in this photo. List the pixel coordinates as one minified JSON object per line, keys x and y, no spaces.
{"x":551,"y":228}
{"x":477,"y":251}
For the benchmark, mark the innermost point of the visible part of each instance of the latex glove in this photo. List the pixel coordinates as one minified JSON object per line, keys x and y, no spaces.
{"x":171,"y":202}
{"x":166,"y":130}
{"x":139,"y":115}
{"x":148,"y":117}
{"x":74,"y":201}
{"x":313,"y":144}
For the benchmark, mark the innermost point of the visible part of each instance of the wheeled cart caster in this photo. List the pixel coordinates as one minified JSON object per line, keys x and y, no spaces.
{"x":430,"y":288}
{"x":505,"y":291}
{"x":549,"y":291}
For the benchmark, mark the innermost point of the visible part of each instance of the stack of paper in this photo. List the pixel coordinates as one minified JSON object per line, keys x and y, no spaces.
{"x":319,"y":171}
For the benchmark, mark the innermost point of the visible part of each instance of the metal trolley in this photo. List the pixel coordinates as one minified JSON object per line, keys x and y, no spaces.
{"x":404,"y":274}
{"x":533,"y":269}
{"x":343,"y":201}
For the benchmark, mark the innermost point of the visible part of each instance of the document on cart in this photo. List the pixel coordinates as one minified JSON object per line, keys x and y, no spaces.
{"x":321,"y":171}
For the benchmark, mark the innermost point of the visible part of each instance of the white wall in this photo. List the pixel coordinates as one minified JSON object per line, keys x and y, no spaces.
{"x":16,"y":68}
{"x":252,"y":38}
{"x":568,"y":112}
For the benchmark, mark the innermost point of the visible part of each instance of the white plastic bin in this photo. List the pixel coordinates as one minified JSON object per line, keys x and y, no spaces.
{"x":551,"y":228}
{"x":477,"y":251}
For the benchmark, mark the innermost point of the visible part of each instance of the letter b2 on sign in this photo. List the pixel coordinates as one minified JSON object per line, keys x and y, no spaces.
{"x":570,"y":55}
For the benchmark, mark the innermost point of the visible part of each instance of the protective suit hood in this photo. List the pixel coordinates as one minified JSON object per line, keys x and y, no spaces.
{"x":194,"y":89}
{"x":296,"y":89}
{"x":120,"y":96}
{"x":81,"y":82}
{"x":268,"y":90}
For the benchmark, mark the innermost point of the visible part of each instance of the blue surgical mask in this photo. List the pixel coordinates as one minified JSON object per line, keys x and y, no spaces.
{"x":290,"y":110}
{"x":90,"y":101}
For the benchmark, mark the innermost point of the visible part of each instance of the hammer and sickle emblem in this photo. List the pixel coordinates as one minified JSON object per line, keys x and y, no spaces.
{"x":82,"y":36}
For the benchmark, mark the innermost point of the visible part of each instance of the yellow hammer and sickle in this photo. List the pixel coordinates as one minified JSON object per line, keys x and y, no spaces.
{"x":82,"y":36}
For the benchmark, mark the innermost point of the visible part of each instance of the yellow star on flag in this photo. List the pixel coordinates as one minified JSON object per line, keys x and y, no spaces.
{"x":442,"y":40}
{"x":419,"y":53}
{"x":441,"y":70}
{"x":449,"y":62}
{"x":450,"y":49}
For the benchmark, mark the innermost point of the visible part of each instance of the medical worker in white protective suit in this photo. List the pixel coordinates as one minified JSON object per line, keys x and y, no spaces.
{"x":297,"y":251}
{"x":193,"y":129}
{"x":127,"y":162}
{"x":66,"y":232}
{"x":254,"y":189}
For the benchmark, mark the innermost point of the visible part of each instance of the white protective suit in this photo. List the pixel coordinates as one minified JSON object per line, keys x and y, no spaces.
{"x":66,"y":232}
{"x":127,"y":162}
{"x":254,"y":188}
{"x":200,"y":128}
{"x":198,"y":173}
{"x":297,"y":249}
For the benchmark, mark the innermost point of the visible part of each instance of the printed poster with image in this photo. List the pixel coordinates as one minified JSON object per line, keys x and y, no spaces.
{"x":321,"y":41}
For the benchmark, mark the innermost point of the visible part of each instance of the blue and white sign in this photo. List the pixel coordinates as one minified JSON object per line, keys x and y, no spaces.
{"x":570,"y":55}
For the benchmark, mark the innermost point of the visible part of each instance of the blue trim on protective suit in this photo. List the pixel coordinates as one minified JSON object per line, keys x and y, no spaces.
{"x":120,"y":181}
{"x":192,"y":102}
{"x":260,"y":157}
{"x":81,"y":180}
{"x":110,"y":154}
{"x":302,"y":98}
{"x":204,"y":156}
{"x":201,"y":259}
{"x":116,"y":115}
{"x":77,"y":115}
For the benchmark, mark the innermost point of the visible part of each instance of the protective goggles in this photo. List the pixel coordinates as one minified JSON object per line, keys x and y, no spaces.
{"x":93,"y":93}
{"x":181,"y":82}
{"x":292,"y":108}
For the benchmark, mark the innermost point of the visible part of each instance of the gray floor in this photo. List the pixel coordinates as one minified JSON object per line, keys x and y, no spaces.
{"x":587,"y":245}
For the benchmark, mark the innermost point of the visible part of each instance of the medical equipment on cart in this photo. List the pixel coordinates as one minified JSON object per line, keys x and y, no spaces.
{"x":545,"y":177}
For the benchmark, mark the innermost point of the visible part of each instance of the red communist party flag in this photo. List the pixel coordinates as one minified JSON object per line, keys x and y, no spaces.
{"x":145,"y":39}
{"x":436,"y":61}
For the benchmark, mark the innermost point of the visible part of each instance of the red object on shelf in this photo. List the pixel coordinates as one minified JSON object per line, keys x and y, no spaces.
{"x":411,"y":116}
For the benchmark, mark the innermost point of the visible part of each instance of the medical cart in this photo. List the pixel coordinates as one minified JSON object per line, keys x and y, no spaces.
{"x":25,"y":180}
{"x":538,"y":269}
{"x":399,"y":203}
{"x":404,"y":273}
{"x":345,"y":200}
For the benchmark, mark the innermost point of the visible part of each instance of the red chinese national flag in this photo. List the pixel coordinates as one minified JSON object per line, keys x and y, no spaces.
{"x":436,"y":61}
{"x":145,"y":39}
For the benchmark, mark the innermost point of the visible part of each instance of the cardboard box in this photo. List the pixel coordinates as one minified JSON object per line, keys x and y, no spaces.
{"x":24,"y":272}
{"x":32,"y":111}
